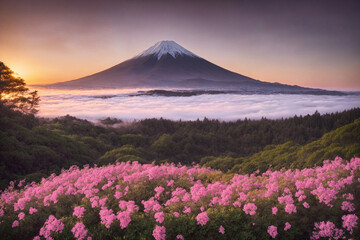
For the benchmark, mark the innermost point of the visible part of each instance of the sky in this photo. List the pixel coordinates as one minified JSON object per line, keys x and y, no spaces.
{"x":306,"y":43}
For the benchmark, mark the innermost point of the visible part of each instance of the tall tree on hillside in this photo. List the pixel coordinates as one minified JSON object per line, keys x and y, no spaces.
{"x":14,"y":93}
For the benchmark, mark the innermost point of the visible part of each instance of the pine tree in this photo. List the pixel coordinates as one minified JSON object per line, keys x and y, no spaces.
{"x":14,"y":93}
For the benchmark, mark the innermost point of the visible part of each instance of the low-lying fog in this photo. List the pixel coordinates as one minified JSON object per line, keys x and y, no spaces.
{"x":98,"y":104}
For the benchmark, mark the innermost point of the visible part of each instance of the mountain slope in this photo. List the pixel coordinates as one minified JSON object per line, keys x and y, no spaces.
{"x":168,"y":65}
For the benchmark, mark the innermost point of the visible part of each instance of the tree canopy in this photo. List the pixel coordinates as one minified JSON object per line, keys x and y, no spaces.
{"x":14,"y":93}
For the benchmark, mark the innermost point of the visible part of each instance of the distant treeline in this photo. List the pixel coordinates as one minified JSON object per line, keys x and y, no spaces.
{"x":33,"y":147}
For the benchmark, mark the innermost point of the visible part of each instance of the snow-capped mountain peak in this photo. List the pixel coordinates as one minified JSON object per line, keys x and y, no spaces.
{"x":166,"y":47}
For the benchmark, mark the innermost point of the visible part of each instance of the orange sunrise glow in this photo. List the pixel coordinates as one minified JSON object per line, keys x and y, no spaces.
{"x":52,"y":43}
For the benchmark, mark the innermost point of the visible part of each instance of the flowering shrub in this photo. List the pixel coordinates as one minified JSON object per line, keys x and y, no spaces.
{"x":134,"y":201}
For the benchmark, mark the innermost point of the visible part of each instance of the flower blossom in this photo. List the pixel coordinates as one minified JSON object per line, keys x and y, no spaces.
{"x":79,"y":211}
{"x":272,"y":231}
{"x":159,"y":233}
{"x":51,"y":225}
{"x":306,"y":205}
{"x":287,"y":226}
{"x":159,"y":217}
{"x":79,"y":231}
{"x":347,"y":206}
{"x":222,"y":230}
{"x":202,"y":218}
{"x":21,"y":216}
{"x":107,"y":217}
{"x":274,"y":210}
{"x":32,"y":210}
{"x":15,"y":224}
{"x":250,"y":208}
{"x":349,"y":221}
{"x":124,"y":218}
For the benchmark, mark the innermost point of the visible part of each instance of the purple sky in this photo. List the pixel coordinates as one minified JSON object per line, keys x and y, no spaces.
{"x":308,"y":43}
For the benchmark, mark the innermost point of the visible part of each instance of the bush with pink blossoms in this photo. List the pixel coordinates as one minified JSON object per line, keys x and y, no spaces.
{"x":272,"y":231}
{"x":202,"y":218}
{"x":134,"y":201}
{"x":79,"y":231}
{"x":79,"y":211}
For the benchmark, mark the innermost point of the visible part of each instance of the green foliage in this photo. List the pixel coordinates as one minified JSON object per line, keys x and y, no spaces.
{"x":122,"y":154}
{"x":343,"y":142}
{"x":29,"y":148}
{"x":33,"y":145}
{"x":164,"y":146}
{"x":111,"y":121}
{"x":133,"y":139}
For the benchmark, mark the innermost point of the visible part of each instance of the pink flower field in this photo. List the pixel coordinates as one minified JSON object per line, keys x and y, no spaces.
{"x":134,"y":201}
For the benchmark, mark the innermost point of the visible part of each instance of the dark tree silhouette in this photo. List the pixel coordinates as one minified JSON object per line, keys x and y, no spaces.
{"x":15,"y":94}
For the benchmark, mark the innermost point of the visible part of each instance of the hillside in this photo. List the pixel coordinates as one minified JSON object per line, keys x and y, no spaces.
{"x":344,"y":142}
{"x":33,"y":148}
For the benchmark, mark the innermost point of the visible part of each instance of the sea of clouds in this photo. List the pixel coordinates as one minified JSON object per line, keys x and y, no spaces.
{"x":99,"y":104}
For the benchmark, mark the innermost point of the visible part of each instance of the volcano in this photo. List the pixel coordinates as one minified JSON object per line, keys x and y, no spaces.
{"x":169,"y":65}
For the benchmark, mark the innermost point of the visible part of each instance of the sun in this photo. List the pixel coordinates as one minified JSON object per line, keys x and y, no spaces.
{"x":20,"y":70}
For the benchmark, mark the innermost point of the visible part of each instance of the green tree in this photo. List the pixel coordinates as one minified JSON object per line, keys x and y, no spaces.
{"x":14,"y":93}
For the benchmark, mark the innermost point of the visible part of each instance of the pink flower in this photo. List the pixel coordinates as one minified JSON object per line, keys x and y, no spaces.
{"x":159,"y":217}
{"x":32,"y":210}
{"x":237,"y":204}
{"x":197,"y":191}
{"x":287,"y":226}
{"x":349,"y":221}
{"x":151,"y":205}
{"x":36,"y":238}
{"x":176,"y":214}
{"x":222,"y":230}
{"x":79,"y":231}
{"x":21,"y":215}
{"x":159,"y":233}
{"x":202,"y":218}
{"x":158,"y":191}
{"x":272,"y":231}
{"x":290,"y":208}
{"x":51,"y":225}
{"x":350,"y":197}
{"x":347,"y":206}
{"x":187,"y":210}
{"x":327,"y":229}
{"x":170,"y":184}
{"x":274,"y":210}
{"x":118,"y":195}
{"x":102,"y":202}
{"x":250,"y":208}
{"x":242,"y":196}
{"x":306,"y":205}
{"x":79,"y":212}
{"x":180,"y":237}
{"x":107,"y":217}
{"x":15,"y":224}
{"x":124,"y":218}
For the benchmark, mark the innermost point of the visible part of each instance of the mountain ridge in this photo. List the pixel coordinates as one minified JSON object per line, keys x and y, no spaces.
{"x":168,"y":65}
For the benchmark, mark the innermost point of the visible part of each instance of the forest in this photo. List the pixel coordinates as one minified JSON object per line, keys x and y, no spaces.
{"x":33,"y":147}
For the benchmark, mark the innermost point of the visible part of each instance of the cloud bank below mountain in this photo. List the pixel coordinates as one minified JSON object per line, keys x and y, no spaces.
{"x":94,"y":105}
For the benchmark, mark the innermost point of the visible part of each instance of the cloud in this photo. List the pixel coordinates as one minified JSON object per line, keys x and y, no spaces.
{"x":88,"y":105}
